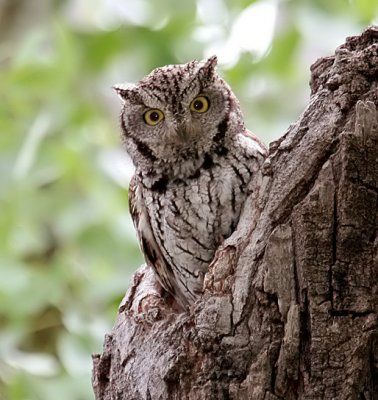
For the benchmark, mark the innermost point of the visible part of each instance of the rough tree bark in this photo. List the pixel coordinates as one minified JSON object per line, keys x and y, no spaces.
{"x":290,"y":309}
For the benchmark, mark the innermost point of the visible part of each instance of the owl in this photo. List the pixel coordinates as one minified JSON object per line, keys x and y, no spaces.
{"x":194,"y":159}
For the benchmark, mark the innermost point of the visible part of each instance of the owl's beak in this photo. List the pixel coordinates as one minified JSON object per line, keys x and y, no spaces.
{"x":182,"y":132}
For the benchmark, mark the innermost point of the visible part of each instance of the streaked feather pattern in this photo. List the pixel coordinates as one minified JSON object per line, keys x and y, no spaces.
{"x":193,"y":170}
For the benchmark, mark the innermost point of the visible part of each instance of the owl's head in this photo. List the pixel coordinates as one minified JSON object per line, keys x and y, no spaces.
{"x":177,"y":113}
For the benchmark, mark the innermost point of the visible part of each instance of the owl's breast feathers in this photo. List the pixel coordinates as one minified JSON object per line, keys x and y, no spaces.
{"x":180,"y":222}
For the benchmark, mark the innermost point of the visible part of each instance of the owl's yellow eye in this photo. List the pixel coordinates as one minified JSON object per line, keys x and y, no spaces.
{"x":153,"y":117}
{"x":200,"y":104}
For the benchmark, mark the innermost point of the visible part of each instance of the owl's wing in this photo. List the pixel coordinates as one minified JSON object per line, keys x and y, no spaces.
{"x":150,"y":248}
{"x":261,"y":148}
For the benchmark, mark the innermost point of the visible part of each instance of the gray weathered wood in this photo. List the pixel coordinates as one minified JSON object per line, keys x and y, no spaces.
{"x":290,"y":309}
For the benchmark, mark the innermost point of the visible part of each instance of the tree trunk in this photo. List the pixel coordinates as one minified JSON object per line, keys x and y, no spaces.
{"x":290,"y":308}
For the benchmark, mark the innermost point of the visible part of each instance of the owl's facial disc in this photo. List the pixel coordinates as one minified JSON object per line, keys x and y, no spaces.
{"x":183,"y":123}
{"x":175,"y":110}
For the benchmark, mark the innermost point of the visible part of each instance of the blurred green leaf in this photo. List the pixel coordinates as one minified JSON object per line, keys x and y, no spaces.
{"x":366,"y":9}
{"x":282,"y":58}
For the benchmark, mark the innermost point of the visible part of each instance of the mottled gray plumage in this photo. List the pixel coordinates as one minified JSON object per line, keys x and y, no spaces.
{"x":183,"y":129}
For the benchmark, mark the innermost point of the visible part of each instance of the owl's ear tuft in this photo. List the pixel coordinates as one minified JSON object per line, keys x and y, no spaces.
{"x":127,"y":92}
{"x":208,"y":68}
{"x":211,"y":62}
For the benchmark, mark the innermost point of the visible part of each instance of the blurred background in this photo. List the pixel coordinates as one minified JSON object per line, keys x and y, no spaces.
{"x":67,"y":245}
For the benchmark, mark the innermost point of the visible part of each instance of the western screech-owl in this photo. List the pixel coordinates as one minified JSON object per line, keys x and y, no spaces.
{"x":194,"y":158}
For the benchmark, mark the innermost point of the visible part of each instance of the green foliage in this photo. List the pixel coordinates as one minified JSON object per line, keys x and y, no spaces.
{"x":67,"y":245}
